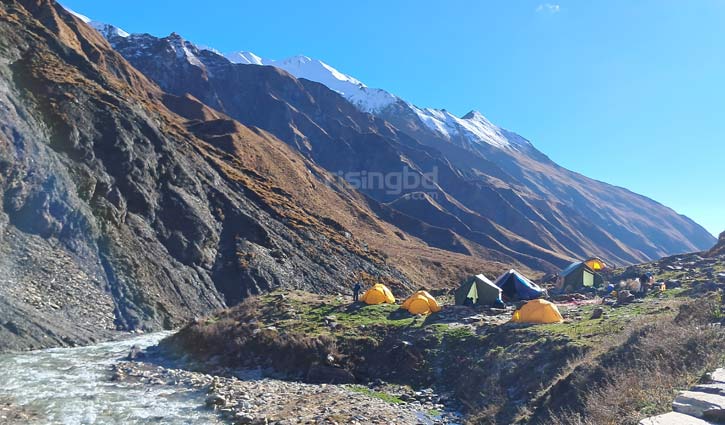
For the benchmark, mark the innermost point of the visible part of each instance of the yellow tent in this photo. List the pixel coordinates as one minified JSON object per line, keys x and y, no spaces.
{"x":378,"y":294}
{"x":537,"y":311}
{"x":421,"y":303}
{"x":595,"y":264}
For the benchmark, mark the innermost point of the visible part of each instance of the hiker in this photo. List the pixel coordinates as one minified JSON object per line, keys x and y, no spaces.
{"x":644,"y":281}
{"x":356,"y":292}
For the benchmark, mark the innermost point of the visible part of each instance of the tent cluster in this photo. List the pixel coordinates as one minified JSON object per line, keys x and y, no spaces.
{"x":420,"y":302}
{"x":510,"y":286}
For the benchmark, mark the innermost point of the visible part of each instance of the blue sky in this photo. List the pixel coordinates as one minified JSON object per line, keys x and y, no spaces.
{"x":628,"y":92}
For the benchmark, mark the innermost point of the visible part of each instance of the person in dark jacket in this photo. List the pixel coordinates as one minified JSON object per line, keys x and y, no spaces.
{"x":644,"y":282}
{"x":356,"y":292}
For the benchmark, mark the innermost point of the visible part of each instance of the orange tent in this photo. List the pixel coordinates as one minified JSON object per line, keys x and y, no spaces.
{"x":421,"y":303}
{"x":378,"y":294}
{"x":537,"y":311}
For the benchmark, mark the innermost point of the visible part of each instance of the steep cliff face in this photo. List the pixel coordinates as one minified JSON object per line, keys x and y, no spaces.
{"x":123,"y":207}
{"x":500,"y":195}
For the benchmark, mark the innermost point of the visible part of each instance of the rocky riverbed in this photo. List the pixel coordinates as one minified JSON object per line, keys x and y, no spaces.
{"x":247,"y":397}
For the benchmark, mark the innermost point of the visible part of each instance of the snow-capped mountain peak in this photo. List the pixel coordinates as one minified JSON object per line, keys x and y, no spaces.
{"x":365,"y":98}
{"x":107,"y":30}
{"x":472,"y":129}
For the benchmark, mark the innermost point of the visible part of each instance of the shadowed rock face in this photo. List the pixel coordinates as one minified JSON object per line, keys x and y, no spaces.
{"x":122,"y":207}
{"x":515,"y":202}
{"x":719,"y":248}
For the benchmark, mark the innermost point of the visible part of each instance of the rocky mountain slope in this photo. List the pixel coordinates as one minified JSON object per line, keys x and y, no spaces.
{"x":492,"y":189}
{"x":125,"y":207}
{"x":471,"y":142}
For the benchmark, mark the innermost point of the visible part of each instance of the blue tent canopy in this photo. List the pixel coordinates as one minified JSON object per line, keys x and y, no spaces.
{"x":517,"y":287}
{"x":570,"y":268}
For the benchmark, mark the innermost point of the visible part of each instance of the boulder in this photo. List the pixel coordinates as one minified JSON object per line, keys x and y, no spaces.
{"x":321,"y":374}
{"x":673,"y":418}
{"x":697,"y":403}
{"x":714,"y":388}
{"x":597,"y":313}
{"x":718,"y":375}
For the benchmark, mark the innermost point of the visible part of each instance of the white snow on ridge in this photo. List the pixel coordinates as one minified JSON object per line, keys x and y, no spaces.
{"x":472,"y":127}
{"x":106,"y":30}
{"x":363,"y":97}
{"x":247,"y":58}
{"x":83,"y":18}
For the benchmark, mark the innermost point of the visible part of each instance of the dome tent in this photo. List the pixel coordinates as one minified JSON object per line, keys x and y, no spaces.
{"x":378,"y":294}
{"x":421,"y":303}
{"x":479,"y":289}
{"x":517,"y":287}
{"x":577,"y":276}
{"x":537,"y":311}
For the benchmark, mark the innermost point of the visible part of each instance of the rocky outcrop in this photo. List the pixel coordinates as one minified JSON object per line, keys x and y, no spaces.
{"x":719,"y":248}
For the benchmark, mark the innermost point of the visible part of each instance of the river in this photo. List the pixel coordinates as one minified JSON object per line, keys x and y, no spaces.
{"x":73,"y":386}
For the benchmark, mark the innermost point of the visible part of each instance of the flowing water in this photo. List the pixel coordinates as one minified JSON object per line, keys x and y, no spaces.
{"x":73,"y":386}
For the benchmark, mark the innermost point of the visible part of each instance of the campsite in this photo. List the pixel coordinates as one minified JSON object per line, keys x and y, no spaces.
{"x":394,"y":353}
{"x":450,"y":213}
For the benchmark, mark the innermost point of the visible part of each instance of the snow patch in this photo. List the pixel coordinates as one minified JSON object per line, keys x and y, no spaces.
{"x":184,"y":50}
{"x":106,"y":30}
{"x":247,"y":58}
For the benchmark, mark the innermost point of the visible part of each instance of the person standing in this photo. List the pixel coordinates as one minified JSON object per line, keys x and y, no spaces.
{"x":644,"y":282}
{"x":356,"y":292}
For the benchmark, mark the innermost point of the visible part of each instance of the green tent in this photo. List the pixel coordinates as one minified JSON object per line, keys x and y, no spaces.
{"x":577,"y":276}
{"x":479,"y":289}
